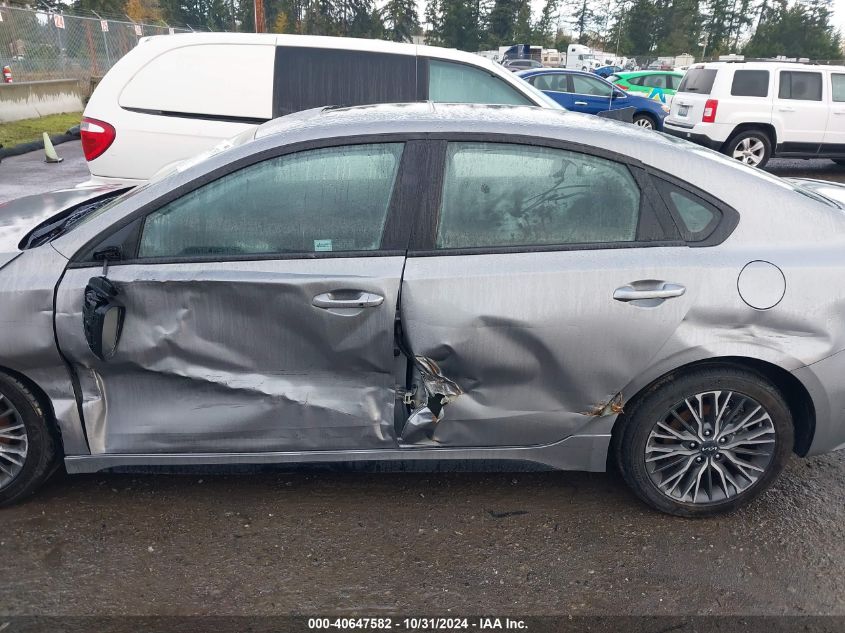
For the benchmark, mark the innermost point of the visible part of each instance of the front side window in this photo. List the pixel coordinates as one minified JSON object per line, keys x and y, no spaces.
{"x":331,"y":199}
{"x":802,"y":86}
{"x":499,"y":194}
{"x":838,"y":84}
{"x":588,"y":86}
{"x":460,"y":83}
{"x":750,"y":83}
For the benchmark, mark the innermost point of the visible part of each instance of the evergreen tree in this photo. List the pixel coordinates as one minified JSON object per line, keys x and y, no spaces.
{"x":401,"y":21}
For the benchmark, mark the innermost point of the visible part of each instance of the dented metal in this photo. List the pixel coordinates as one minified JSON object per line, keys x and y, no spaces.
{"x":439,"y":391}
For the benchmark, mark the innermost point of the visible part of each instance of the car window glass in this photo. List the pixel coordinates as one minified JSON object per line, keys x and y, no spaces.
{"x":838,"y":83}
{"x":558,"y":82}
{"x":655,"y":81}
{"x":332,"y":199}
{"x":543,"y":82}
{"x":698,"y":80}
{"x":697,"y":217}
{"x":750,"y":83}
{"x":636,"y":81}
{"x":803,"y":86}
{"x":498,"y":194}
{"x":588,"y":86}
{"x":459,"y":83}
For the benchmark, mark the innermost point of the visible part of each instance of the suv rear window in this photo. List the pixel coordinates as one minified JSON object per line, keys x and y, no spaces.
{"x":699,"y":80}
{"x":750,"y":83}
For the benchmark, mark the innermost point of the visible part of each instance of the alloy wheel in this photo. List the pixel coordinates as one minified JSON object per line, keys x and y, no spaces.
{"x":644,"y":122}
{"x":710,"y":447}
{"x":13,"y":442}
{"x":750,"y":151}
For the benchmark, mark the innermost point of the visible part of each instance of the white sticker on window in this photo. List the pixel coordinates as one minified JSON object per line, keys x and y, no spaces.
{"x":322,"y":245}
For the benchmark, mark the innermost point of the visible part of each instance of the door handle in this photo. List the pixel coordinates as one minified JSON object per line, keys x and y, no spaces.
{"x":839,"y":111}
{"x":664,"y":290}
{"x":786,"y":109}
{"x":581,"y":103}
{"x":347,"y":299}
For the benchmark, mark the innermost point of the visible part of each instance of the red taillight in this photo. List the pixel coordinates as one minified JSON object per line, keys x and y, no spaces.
{"x":623,"y":87}
{"x":96,"y":136}
{"x":710,"y":108}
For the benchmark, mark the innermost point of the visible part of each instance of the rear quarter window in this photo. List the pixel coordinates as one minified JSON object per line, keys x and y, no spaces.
{"x":750,"y":83}
{"x":698,"y":80}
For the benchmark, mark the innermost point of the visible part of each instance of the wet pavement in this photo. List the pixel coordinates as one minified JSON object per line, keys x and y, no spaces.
{"x":374,"y":543}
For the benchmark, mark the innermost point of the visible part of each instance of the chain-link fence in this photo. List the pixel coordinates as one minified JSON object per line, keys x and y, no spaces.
{"x":47,"y":45}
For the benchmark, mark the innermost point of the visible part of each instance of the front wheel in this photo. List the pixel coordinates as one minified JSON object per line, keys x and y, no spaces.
{"x":644,"y":121}
{"x":28,"y":453}
{"x":705,"y":442}
{"x":752,"y":148}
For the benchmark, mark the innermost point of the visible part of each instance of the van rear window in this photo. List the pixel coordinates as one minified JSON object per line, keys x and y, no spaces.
{"x":698,"y":80}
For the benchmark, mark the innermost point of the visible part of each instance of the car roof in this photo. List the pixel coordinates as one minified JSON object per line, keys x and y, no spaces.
{"x":637,"y":73}
{"x":556,"y":71}
{"x":770,"y":65}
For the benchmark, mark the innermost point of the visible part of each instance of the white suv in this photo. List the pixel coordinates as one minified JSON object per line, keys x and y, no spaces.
{"x":755,"y":110}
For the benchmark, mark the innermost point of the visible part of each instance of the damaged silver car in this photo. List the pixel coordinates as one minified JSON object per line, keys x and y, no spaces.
{"x":420,"y":282}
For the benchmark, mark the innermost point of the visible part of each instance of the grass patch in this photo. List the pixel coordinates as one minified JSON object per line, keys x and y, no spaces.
{"x":27,"y":130}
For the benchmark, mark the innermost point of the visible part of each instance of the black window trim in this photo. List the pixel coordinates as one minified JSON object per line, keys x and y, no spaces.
{"x":425,"y":245}
{"x":126,"y":233}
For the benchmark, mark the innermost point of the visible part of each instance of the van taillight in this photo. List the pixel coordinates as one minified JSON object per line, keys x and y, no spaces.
{"x":96,"y":136}
{"x":710,"y":108}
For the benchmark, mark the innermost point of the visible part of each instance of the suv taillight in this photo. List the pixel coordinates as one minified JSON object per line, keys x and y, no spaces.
{"x":710,"y":108}
{"x":96,"y":136}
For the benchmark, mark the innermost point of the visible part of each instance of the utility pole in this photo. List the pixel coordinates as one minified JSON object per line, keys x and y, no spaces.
{"x":260,"y":25}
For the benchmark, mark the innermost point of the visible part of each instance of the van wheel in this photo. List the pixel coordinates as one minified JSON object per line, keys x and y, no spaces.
{"x":706,"y":441}
{"x":644,"y":121}
{"x":751,"y":147}
{"x":28,"y":450}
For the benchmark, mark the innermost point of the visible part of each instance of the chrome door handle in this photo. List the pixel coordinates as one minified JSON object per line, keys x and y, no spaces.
{"x":663,"y":291}
{"x":347,"y":299}
{"x":839,"y":111}
{"x":581,"y":103}
{"x":786,"y":109}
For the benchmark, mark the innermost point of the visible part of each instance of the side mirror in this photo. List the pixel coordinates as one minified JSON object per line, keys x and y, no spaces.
{"x":102,"y":317}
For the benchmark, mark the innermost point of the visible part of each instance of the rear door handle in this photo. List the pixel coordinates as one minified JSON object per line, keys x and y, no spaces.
{"x":347,"y":299}
{"x":664,"y":291}
{"x":786,"y":109}
{"x":581,"y":103}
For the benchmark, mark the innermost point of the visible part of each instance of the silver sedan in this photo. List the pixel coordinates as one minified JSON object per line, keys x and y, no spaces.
{"x":419,"y":282}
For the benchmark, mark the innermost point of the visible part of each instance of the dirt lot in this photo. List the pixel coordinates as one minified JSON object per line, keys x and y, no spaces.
{"x":317,"y":542}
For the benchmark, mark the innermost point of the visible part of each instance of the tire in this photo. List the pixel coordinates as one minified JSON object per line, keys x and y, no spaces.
{"x":645,"y":121}
{"x":752,"y":147}
{"x":839,"y":161}
{"x":41,"y":454}
{"x":639,"y":450}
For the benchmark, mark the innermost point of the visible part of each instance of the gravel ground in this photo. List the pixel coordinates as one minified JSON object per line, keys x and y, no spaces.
{"x":349,"y":542}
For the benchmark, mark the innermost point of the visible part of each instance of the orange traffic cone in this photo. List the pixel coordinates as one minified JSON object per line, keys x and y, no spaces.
{"x":7,"y":74}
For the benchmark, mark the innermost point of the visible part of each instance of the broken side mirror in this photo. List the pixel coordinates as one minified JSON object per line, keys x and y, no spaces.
{"x":102,"y":317}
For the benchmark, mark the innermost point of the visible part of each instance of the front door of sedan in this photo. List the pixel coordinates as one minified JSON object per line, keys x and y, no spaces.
{"x":535,"y":300}
{"x":257,"y":313}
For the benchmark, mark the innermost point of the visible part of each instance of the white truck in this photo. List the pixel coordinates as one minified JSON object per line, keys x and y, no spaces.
{"x":580,"y":57}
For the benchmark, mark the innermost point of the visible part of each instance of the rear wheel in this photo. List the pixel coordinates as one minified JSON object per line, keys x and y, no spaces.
{"x":705,"y":442}
{"x":28,"y":454}
{"x":645,"y":121}
{"x":751,"y":147}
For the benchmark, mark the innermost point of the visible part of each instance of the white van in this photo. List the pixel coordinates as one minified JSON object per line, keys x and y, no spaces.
{"x":174,"y":96}
{"x":755,"y":110}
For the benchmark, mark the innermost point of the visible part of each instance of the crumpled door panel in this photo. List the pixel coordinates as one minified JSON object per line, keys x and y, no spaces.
{"x":236,"y":358}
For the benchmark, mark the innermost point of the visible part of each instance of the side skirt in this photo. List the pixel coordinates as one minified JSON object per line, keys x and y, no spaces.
{"x":578,"y":452}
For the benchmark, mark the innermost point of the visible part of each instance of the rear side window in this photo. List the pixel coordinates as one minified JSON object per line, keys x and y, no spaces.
{"x":332,"y":199}
{"x":224,"y":80}
{"x":554,"y":81}
{"x":802,"y":86}
{"x":498,"y":194}
{"x":460,"y":83}
{"x":837,"y":82}
{"x":316,"y":77}
{"x":698,"y":80}
{"x":655,"y":81}
{"x":636,"y":81}
{"x":750,"y":83}
{"x":696,"y":218}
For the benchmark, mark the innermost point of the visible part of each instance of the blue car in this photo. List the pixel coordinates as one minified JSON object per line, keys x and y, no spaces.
{"x":607,"y":71}
{"x":585,"y":92}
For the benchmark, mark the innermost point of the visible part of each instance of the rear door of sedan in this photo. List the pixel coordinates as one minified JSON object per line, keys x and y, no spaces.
{"x":259,"y":307}
{"x":550,"y":276}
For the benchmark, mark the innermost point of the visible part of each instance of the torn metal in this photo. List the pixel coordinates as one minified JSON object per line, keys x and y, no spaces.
{"x":612,"y":406}
{"x":439,"y":391}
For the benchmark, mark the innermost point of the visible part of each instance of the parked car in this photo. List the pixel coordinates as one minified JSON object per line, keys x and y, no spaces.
{"x":174,"y":96}
{"x":610,"y":309}
{"x":607,"y":71}
{"x":584,"y":92}
{"x":755,"y":110}
{"x":659,"y":85}
{"x":521,"y":64}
